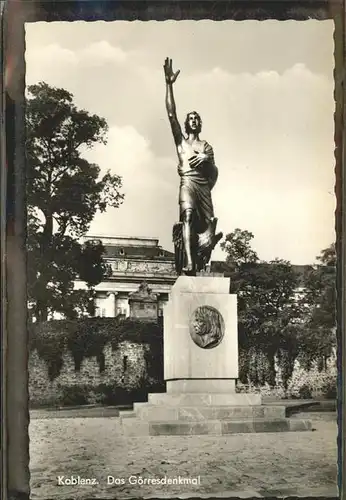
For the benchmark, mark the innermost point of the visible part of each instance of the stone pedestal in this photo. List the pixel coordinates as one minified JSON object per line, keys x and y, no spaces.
{"x":190,"y":356}
{"x":200,"y":370}
{"x":143,"y":304}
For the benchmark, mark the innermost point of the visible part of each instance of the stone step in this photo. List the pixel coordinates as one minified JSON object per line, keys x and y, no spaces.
{"x":266,"y":425}
{"x":138,"y":427}
{"x":127,"y":414}
{"x":140,"y":405}
{"x":204,"y":399}
{"x":200,"y":413}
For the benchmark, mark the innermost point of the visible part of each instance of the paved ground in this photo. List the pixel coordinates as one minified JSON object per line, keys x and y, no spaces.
{"x":81,"y":412}
{"x":243,"y":465}
{"x":92,"y":411}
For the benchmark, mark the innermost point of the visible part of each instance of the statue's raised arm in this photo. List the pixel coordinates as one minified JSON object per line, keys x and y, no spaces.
{"x":194,"y":236}
{"x":170,"y":103}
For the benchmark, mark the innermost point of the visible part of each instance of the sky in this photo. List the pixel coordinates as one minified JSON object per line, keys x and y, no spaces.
{"x":264,"y":90}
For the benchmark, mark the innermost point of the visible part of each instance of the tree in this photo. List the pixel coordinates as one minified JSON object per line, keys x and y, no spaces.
{"x":64,"y":192}
{"x":238,"y":249}
{"x":268,"y":312}
{"x":318,"y":339}
{"x":281,"y":315}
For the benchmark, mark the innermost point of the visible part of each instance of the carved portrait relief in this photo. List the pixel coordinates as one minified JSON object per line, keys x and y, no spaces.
{"x":207,"y":327}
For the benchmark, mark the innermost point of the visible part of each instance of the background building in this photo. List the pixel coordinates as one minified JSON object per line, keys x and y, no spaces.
{"x":133,"y":260}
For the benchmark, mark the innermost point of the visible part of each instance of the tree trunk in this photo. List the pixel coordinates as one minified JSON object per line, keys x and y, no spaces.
{"x":271,"y":379}
{"x":47,"y":233}
{"x":243,"y":365}
{"x":262,"y":367}
{"x":253,"y":371}
{"x":41,"y":311}
{"x":46,"y":241}
{"x":287,"y":365}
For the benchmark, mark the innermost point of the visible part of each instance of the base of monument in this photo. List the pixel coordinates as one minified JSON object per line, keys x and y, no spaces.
{"x":200,"y":341}
{"x":170,"y":414}
{"x":183,"y":386}
{"x":203,"y":399}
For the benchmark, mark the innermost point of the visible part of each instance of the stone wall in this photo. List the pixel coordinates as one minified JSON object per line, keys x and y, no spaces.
{"x":125,"y":372}
{"x":101,"y":360}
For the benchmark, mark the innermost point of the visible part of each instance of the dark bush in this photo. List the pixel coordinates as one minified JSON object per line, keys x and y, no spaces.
{"x":75,"y":395}
{"x":330,"y":390}
{"x":305,"y":392}
{"x":48,"y":402}
{"x":113,"y":395}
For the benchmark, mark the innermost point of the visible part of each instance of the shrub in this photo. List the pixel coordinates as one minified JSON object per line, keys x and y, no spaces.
{"x":303,"y":384}
{"x":308,"y":383}
{"x":246,"y":388}
{"x":45,"y":401}
{"x":75,"y":395}
{"x":305,"y":392}
{"x":264,"y":390}
{"x":277,"y":392}
{"x":113,"y":395}
{"x":329,"y":388}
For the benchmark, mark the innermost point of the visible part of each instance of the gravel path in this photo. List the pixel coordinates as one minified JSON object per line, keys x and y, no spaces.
{"x":269,"y":464}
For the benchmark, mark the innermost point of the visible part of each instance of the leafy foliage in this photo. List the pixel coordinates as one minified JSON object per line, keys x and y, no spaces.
{"x":64,"y":192}
{"x":267,"y":309}
{"x":305,"y":383}
{"x":238,"y":248}
{"x":319,"y":338}
{"x":75,"y":395}
{"x":280,"y":316}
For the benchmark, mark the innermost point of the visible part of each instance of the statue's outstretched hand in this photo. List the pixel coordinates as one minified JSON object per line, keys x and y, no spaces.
{"x":169,"y":73}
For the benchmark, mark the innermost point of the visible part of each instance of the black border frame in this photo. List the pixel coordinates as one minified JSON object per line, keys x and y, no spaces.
{"x":14,"y":350}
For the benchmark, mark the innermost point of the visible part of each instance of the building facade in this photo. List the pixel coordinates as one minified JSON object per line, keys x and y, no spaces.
{"x":133,"y":260}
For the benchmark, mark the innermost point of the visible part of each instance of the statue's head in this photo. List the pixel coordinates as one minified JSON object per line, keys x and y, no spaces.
{"x":193,"y":123}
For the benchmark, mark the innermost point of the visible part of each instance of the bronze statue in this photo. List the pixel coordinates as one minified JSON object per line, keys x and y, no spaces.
{"x":194,"y":235}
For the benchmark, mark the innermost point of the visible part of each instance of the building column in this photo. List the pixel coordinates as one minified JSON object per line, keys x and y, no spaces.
{"x":113,"y":297}
{"x":161,"y":302}
{"x":123,"y":302}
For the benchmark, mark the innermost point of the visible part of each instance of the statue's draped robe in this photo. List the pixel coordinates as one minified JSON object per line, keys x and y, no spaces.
{"x":195,"y":194}
{"x":195,"y":190}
